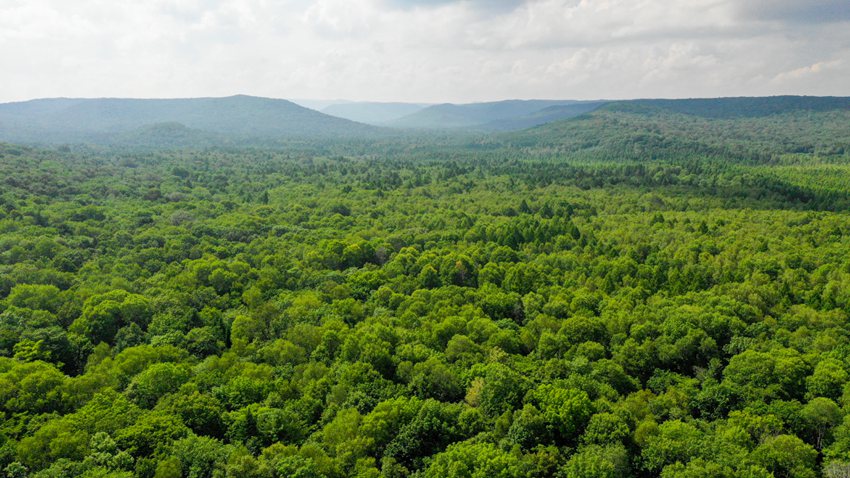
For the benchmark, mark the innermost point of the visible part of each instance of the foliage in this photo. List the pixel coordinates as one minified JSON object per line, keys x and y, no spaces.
{"x":672,"y":305}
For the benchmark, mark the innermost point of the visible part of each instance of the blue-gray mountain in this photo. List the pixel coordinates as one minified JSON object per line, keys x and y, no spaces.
{"x":245,"y":121}
{"x":110,"y":120}
{"x":497,"y":115}
{"x":373,"y":113}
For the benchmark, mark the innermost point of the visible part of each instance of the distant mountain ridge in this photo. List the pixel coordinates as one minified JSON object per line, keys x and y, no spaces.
{"x":759,"y":128}
{"x":546,"y":115}
{"x":232,"y":117}
{"x":733,"y":107}
{"x":489,"y":116}
{"x":371,"y":112}
{"x":513,"y":115}
{"x":248,"y":121}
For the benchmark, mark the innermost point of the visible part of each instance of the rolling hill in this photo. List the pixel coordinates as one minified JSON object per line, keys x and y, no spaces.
{"x":497,"y":115}
{"x":546,"y":115}
{"x":732,"y":128}
{"x":374,"y":113}
{"x":733,"y":107}
{"x":227,"y":119}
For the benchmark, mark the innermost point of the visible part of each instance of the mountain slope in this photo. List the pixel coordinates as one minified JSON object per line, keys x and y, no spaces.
{"x":546,"y":115}
{"x":234,"y":117}
{"x":473,"y":115}
{"x":734,"y":107}
{"x":372,"y":112}
{"x":756,"y":129}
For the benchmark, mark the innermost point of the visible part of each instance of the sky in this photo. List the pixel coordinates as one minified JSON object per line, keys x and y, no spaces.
{"x":423,"y":50}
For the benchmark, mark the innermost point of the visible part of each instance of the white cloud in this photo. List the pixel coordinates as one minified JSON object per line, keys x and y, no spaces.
{"x":420,"y":50}
{"x":810,"y":73}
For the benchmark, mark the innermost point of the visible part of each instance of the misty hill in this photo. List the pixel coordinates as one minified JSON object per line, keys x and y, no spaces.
{"x":215,"y":119}
{"x":476,"y":115}
{"x":758,"y":129}
{"x":546,"y":115}
{"x":317,"y":105}
{"x":374,"y":113}
{"x":513,"y":115}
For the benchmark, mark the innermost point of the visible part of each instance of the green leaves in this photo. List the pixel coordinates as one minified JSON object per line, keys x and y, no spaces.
{"x":598,"y":461}
{"x":786,"y":455}
{"x":35,"y":387}
{"x":104,"y":314}
{"x":431,"y":311}
{"x":566,"y":411}
{"x":156,"y":381}
{"x":477,"y":460}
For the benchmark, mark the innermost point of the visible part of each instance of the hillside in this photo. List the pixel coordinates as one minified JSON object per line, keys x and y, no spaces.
{"x":229,"y":118}
{"x":733,"y":128}
{"x":374,"y":113}
{"x":475,"y":115}
{"x":546,"y":115}
{"x":737,"y":107}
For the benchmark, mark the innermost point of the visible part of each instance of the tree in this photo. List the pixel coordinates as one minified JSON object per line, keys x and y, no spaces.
{"x":530,"y":428}
{"x":827,"y":379}
{"x":604,"y":428}
{"x":434,"y":379}
{"x":819,"y":417}
{"x":434,"y":427}
{"x":503,"y":389}
{"x":675,"y":441}
{"x":786,"y":455}
{"x":151,"y":432}
{"x":565,"y":410}
{"x":104,"y":314}
{"x":200,"y":457}
{"x":36,"y":296}
{"x":157,"y":380}
{"x":476,"y":460}
{"x":598,"y":461}
{"x":34,"y":387}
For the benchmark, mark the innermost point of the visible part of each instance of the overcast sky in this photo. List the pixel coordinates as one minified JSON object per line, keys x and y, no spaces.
{"x":423,"y":51}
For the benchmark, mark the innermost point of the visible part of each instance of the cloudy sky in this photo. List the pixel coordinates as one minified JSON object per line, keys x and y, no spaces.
{"x":423,"y":50}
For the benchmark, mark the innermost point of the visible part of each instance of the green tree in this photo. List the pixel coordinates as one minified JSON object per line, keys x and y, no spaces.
{"x":786,"y":455}
{"x":157,"y":380}
{"x":598,"y":461}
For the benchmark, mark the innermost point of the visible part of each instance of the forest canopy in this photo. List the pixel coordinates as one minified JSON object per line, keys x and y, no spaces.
{"x":630,"y":293}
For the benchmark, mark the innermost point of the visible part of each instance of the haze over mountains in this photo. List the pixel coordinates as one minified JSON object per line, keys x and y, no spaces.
{"x":118,"y":120}
{"x":247,"y":120}
{"x":495,"y":115}
{"x":503,"y":115}
{"x":374,"y":113}
{"x":241,"y":118}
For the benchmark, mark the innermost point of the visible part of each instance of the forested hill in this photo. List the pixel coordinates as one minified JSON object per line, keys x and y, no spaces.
{"x":510,"y":115}
{"x":737,"y":129}
{"x":369,"y":112}
{"x":183,"y":122}
{"x":715,"y":126}
{"x":475,"y":115}
{"x":737,"y":107}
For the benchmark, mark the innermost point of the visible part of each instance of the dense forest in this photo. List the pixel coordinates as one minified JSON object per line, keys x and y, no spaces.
{"x":644,"y":290}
